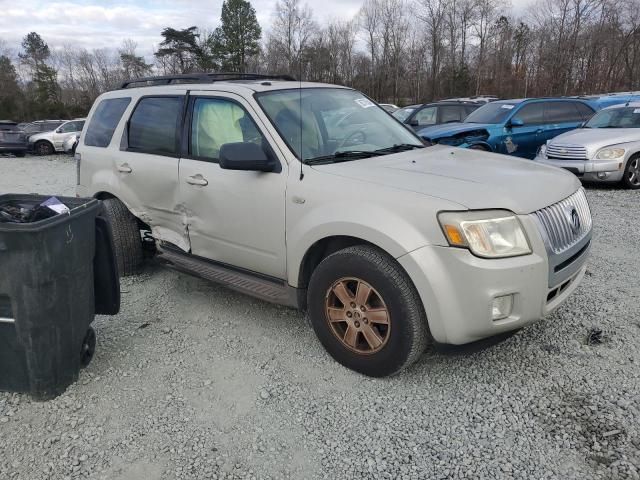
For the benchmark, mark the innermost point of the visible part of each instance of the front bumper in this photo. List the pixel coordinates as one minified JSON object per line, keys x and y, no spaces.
{"x":458,"y":288}
{"x":589,"y":170}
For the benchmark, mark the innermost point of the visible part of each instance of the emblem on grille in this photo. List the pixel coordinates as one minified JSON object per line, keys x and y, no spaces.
{"x":563,"y":150}
{"x":574,"y":219}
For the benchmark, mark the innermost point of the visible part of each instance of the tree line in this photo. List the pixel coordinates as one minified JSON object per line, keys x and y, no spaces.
{"x":399,"y":51}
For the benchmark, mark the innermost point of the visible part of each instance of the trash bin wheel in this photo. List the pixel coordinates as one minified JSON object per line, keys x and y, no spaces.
{"x":88,"y":347}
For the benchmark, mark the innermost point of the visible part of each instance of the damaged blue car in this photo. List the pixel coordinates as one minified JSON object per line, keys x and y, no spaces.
{"x":513,"y":127}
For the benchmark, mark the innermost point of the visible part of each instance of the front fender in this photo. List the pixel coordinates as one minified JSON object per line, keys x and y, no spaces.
{"x":365,"y":221}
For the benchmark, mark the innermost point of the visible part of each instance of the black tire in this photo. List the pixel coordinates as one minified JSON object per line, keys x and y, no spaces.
{"x":407,"y":337}
{"x":43,"y":148}
{"x":126,"y":237}
{"x":88,"y":348}
{"x":631,"y":177}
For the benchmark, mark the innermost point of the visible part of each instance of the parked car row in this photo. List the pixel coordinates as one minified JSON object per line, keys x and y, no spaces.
{"x":555,"y":131}
{"x":42,"y":137}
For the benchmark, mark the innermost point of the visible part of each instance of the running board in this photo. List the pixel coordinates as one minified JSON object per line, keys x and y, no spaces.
{"x":273,"y":291}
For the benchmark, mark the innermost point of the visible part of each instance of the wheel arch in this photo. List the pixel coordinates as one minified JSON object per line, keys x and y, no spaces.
{"x":317,"y":252}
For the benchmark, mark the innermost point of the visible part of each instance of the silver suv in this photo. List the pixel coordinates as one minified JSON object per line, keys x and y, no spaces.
{"x":606,"y":149}
{"x":311,"y":195}
{"x":47,"y":143}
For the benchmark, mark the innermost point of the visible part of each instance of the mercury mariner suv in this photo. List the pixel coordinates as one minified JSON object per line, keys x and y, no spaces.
{"x":311,"y":195}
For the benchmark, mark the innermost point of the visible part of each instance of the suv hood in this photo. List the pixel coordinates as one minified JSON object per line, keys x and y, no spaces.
{"x":593,"y":139}
{"x":450,"y":129}
{"x":470,"y":178}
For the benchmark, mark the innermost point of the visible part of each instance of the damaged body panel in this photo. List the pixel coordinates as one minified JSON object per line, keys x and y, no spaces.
{"x":512,"y":127}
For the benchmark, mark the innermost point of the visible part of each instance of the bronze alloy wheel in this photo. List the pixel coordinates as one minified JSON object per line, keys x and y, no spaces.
{"x":357,"y":316}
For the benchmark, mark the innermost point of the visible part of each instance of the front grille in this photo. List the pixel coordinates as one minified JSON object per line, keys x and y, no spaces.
{"x":566,"y":152}
{"x":557,"y":222}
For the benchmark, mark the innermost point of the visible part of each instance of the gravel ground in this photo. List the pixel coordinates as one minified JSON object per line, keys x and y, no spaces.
{"x":194,"y":381}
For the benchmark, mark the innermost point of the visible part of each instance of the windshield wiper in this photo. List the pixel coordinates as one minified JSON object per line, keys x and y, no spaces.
{"x":400,"y":147}
{"x":343,"y":156}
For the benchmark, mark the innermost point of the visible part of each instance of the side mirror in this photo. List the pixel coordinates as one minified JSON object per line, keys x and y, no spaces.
{"x":414,"y":123}
{"x":58,"y":130}
{"x":245,"y":156}
{"x":516,"y":122}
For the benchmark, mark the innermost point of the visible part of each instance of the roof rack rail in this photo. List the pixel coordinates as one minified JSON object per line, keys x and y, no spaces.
{"x":200,"y":78}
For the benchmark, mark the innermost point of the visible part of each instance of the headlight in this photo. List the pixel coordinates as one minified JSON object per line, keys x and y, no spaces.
{"x":489,"y":233}
{"x":610,"y":153}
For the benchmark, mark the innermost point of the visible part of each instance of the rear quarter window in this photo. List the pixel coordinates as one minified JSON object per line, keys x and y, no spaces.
{"x":104,"y":121}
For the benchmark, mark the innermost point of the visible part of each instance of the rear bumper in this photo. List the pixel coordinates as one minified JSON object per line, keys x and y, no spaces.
{"x":13,"y":147}
{"x":609,"y":170}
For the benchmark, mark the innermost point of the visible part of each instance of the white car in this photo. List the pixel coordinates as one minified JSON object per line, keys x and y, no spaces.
{"x":606,"y":149}
{"x":70,"y":144}
{"x":387,"y":245}
{"x":47,"y":143}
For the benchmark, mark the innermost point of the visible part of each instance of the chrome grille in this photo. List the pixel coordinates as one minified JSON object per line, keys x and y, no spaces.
{"x":556,"y":220}
{"x":566,"y":152}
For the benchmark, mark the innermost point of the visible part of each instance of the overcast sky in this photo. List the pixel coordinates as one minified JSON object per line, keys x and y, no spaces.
{"x":97,"y":24}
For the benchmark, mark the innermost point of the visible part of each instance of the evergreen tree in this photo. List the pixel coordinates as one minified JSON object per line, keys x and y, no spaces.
{"x":10,"y":93}
{"x":237,"y":38}
{"x":179,"y":51}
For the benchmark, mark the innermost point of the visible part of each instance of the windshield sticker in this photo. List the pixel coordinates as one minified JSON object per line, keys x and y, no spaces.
{"x":364,"y":102}
{"x":507,"y":107}
{"x":637,"y":110}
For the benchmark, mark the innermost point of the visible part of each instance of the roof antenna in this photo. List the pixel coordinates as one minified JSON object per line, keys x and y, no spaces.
{"x":300,"y":114}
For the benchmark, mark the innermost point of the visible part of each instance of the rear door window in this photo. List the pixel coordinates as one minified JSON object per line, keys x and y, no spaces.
{"x":530,"y":114}
{"x":585,"y":111}
{"x":561,"y":112}
{"x":154,"y":125}
{"x":104,"y":121}
{"x":451,"y":113}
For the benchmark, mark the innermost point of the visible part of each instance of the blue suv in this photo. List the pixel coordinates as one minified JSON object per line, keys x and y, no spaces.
{"x":513,"y":127}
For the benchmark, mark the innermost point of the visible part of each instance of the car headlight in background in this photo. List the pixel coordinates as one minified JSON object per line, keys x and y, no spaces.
{"x":610,"y":153}
{"x":489,"y":234}
{"x":542,"y":151}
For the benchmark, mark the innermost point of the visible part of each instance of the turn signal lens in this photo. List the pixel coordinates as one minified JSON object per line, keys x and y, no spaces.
{"x":454,"y":236}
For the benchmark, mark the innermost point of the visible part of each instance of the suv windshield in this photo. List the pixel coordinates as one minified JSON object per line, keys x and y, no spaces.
{"x":625,"y":117}
{"x":491,"y":113}
{"x":330,"y":123}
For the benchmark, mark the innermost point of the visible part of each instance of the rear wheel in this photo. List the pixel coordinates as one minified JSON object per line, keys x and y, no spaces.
{"x":126,"y":237}
{"x":631,"y":178}
{"x":366,"y":311}
{"x":43,"y":148}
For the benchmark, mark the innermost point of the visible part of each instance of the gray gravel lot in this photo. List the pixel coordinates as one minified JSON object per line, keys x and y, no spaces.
{"x":195,"y":381}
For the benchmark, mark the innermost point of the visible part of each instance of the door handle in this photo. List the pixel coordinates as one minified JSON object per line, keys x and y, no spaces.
{"x":198,"y":180}
{"x":124,"y":168}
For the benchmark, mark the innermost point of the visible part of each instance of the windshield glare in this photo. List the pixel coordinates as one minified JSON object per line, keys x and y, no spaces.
{"x":625,"y":117}
{"x":403,"y":113}
{"x":332,"y":120}
{"x":491,"y":113}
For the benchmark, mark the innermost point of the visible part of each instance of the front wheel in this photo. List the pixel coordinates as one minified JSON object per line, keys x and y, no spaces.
{"x":631,"y":178}
{"x":366,"y":311}
{"x":44,"y":148}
